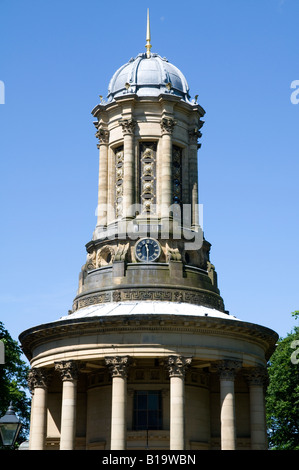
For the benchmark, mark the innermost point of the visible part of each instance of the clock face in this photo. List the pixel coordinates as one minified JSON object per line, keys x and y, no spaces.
{"x":147,"y":250}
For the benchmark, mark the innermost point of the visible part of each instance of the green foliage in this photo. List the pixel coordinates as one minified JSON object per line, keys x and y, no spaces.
{"x":13,"y":382}
{"x":282,"y":398}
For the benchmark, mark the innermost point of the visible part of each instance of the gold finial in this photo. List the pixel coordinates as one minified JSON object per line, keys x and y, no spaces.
{"x":148,"y":45}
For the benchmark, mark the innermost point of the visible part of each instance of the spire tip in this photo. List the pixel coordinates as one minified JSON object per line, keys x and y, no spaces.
{"x":148,"y":45}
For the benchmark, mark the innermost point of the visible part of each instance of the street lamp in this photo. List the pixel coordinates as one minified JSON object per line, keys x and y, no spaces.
{"x":10,"y":426}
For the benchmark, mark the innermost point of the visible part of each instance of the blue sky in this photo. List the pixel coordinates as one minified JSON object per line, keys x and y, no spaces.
{"x":239,"y":56}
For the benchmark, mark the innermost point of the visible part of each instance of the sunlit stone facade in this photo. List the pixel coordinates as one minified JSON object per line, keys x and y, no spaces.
{"x":148,"y":357}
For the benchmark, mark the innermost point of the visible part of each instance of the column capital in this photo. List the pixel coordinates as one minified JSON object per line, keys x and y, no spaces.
{"x":228,"y":368}
{"x":118,"y":365}
{"x":177,"y":365}
{"x":256,"y":376}
{"x":167,"y":125}
{"x":103,"y":135}
{"x":38,"y":377}
{"x":68,"y":370}
{"x":128,"y":126}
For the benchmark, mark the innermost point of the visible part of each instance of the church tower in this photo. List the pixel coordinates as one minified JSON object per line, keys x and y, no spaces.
{"x":148,"y":357}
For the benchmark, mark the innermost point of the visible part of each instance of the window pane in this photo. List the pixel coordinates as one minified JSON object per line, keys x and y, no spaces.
{"x":147,"y":413}
{"x":153,"y":401}
{"x":142,"y":402}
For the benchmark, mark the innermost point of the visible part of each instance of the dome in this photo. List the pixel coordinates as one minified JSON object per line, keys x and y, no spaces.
{"x":146,"y":308}
{"x":148,"y":76}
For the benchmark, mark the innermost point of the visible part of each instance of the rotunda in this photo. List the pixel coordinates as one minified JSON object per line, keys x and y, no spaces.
{"x":148,"y":357}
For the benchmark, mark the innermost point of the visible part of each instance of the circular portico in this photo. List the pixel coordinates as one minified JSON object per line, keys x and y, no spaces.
{"x":91,"y":370}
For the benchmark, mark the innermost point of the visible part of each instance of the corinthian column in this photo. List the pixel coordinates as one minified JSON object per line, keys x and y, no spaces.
{"x":118,"y":366}
{"x":103,"y":136}
{"x":38,"y":384}
{"x":128,"y":127}
{"x":69,"y":375}
{"x":227,"y":370}
{"x":167,"y":125}
{"x":256,"y":379}
{"x":176,"y":368}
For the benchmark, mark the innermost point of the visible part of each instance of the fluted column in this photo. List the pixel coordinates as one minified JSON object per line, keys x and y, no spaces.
{"x":38,"y":383}
{"x":176,"y":367}
{"x":118,"y":366}
{"x":256,"y":379}
{"x":69,"y":375}
{"x":227,"y":370}
{"x":103,"y":136}
{"x":128,"y":127}
{"x":194,"y":134}
{"x":167,"y":125}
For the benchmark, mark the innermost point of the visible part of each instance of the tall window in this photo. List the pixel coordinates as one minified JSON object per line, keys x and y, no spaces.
{"x":119,"y":175}
{"x":147,"y":410}
{"x":148,"y":176}
{"x":177,"y":174}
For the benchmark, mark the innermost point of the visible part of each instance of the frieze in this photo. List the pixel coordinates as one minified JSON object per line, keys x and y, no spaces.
{"x":122,"y":295}
{"x":262,"y":336}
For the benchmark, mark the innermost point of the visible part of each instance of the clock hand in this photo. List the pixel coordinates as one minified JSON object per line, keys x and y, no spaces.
{"x":146,"y":251}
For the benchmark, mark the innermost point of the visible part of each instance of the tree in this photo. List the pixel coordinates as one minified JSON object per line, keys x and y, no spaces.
{"x":13,"y":382}
{"x":282,"y":398}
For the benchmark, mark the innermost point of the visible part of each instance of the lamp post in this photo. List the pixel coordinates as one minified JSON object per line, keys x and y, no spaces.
{"x":10,"y":426}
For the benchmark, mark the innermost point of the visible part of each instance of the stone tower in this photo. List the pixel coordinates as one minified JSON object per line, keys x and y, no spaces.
{"x":148,"y":357}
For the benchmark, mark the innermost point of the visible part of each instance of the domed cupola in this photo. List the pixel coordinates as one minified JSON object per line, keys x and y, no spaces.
{"x":148,"y":75}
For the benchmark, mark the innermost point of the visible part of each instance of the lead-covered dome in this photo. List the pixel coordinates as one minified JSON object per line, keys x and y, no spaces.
{"x":148,"y":76}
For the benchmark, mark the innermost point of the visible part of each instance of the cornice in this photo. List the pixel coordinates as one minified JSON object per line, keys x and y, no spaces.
{"x":42,"y":334}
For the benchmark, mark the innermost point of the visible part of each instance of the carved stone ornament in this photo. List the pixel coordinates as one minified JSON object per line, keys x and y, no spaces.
{"x":172,"y":254}
{"x":90,"y":261}
{"x":121,"y":252}
{"x":119,"y":174}
{"x":167,"y":125}
{"x":228,"y":368}
{"x":128,"y":126}
{"x":256,"y":376}
{"x":177,"y":365}
{"x":118,"y":365}
{"x":38,"y":378}
{"x":103,"y":136}
{"x":68,"y":370}
{"x":194,"y":135}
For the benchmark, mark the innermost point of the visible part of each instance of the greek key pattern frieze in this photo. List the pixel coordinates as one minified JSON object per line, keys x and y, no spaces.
{"x":150,"y":294}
